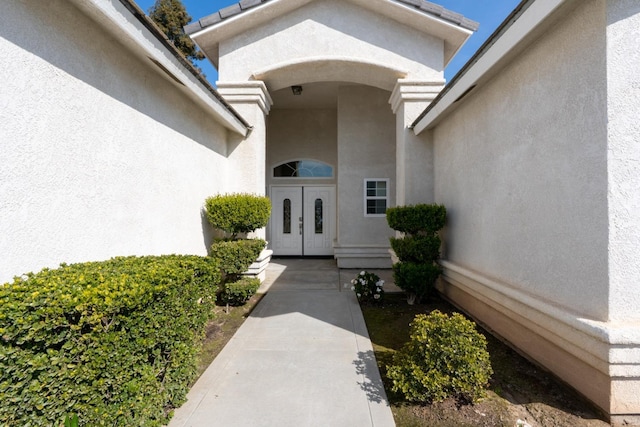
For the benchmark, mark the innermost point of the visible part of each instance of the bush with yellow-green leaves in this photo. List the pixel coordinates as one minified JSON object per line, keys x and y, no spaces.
{"x":445,"y":357}
{"x":114,"y":342}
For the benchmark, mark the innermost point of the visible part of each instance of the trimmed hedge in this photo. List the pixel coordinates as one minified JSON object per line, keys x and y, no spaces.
{"x":235,"y":256}
{"x":419,"y":249}
{"x":445,"y":357}
{"x":238,"y":293}
{"x":114,"y":342}
{"x":238,"y":213}
{"x":424,"y":219}
{"x":416,"y":279}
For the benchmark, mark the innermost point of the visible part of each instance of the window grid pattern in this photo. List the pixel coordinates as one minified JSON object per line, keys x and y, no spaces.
{"x":376,"y":196}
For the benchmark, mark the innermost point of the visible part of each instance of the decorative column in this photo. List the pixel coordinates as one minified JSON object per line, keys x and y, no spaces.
{"x":247,"y":156}
{"x":414,"y":154}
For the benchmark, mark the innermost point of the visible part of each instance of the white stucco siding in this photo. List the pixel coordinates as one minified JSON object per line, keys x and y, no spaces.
{"x":366,"y":149}
{"x":302,"y":134}
{"x":101,"y":155}
{"x":521,"y":167}
{"x":623,"y":73}
{"x":332,"y":29}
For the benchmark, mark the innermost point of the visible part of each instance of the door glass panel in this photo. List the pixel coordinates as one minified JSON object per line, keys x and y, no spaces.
{"x":286,"y":216}
{"x":318,"y":216}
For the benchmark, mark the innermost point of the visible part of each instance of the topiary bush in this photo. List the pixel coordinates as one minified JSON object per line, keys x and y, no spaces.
{"x":419,"y":249}
{"x":238,"y":213}
{"x":238,"y":293}
{"x":114,"y":342}
{"x":445,"y":357}
{"x":235,"y":256}
{"x":416,"y":279}
{"x":235,"y":214}
{"x":424,"y":219}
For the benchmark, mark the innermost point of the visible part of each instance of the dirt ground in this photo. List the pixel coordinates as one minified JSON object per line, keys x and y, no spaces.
{"x":520,"y":394}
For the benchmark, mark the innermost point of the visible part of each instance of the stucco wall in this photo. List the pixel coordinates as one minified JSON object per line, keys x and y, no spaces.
{"x":366,"y":149}
{"x":623,"y":72}
{"x":521,"y":167}
{"x":328,"y":29}
{"x":101,"y":155}
{"x":302,"y":134}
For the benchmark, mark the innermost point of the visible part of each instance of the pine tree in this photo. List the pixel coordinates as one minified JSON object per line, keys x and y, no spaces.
{"x":171,"y":16}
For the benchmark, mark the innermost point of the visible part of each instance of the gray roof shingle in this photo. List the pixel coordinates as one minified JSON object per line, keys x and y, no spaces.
{"x":421,"y":5}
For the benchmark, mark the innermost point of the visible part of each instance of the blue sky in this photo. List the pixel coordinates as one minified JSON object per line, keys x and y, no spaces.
{"x":489,"y":13}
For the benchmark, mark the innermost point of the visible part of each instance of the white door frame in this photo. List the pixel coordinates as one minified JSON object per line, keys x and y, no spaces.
{"x":311,"y":226}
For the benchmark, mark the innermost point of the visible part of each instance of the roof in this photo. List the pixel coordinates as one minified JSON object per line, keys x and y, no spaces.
{"x":423,"y":16}
{"x":135,"y":10}
{"x":423,"y":6}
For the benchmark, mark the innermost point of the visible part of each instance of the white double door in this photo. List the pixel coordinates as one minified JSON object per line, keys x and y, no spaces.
{"x":303,"y":220}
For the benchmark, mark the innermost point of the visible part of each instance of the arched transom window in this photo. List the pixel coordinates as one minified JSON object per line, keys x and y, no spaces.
{"x":303,"y":169}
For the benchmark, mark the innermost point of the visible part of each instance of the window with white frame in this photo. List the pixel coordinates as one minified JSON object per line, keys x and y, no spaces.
{"x":376,"y":196}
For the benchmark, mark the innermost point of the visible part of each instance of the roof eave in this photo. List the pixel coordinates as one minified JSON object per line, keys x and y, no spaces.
{"x":146,"y":41}
{"x":453,"y":28}
{"x":508,"y":39}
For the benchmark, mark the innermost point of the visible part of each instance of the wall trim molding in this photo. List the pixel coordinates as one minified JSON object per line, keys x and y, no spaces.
{"x":602,"y":355}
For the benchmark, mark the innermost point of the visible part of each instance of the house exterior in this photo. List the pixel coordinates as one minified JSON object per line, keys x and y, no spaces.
{"x":338,"y":109}
{"x":349,"y":59}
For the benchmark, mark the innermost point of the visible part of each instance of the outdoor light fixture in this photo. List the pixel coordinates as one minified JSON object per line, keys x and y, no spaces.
{"x":297,"y":90}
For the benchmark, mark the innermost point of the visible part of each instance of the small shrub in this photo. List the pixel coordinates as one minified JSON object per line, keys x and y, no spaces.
{"x":238,"y":213}
{"x":418,"y":249}
{"x":114,"y":342}
{"x":238,"y":293}
{"x":416,"y":279}
{"x":445,"y":357}
{"x":235,"y":256}
{"x":418,"y":219}
{"x":368,"y":287}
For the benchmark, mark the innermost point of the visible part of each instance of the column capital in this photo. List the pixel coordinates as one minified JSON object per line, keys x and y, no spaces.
{"x":422,"y":91}
{"x":247,"y":92}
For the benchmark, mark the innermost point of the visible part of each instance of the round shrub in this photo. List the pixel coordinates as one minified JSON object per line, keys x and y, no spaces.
{"x":417,"y":249}
{"x":238,"y":213}
{"x":445,"y":357}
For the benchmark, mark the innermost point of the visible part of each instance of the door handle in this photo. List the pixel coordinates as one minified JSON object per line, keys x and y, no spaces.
{"x":300,"y":225}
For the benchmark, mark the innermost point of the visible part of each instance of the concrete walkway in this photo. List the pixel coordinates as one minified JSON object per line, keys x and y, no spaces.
{"x":303,"y":358}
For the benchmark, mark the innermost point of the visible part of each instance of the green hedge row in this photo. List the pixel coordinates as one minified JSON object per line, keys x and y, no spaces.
{"x":114,"y":342}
